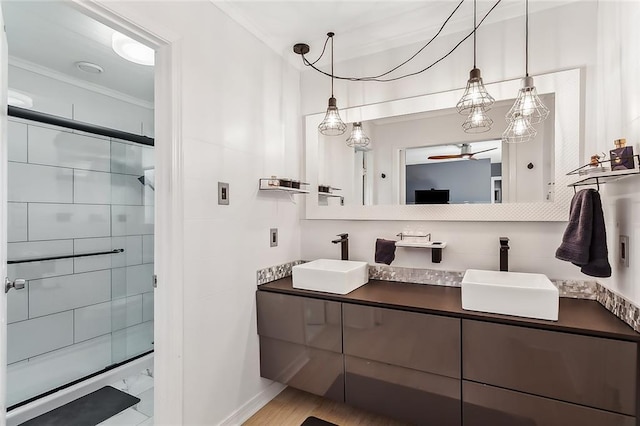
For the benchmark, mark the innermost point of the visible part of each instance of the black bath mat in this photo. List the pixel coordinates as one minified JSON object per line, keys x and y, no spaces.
{"x":314,"y":421}
{"x":88,"y":410}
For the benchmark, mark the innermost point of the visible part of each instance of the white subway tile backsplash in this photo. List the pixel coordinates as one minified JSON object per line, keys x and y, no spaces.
{"x":132,"y":341}
{"x":53,"y":369}
{"x":92,"y":321}
{"x":92,"y":263}
{"x":139,"y":279}
{"x":57,"y":221}
{"x":37,"y":249}
{"x":45,"y":334}
{"x":132,"y":246}
{"x":126,"y":158}
{"x":43,"y":184}
{"x":64,"y":149}
{"x":58,"y":294}
{"x":147,"y":306}
{"x":16,"y":222}
{"x":17,"y":141}
{"x":126,"y":189}
{"x":18,"y":304}
{"x":118,"y":283}
{"x":91,"y":187}
{"x":147,"y":248}
{"x":126,"y":312}
{"x":132,"y":220}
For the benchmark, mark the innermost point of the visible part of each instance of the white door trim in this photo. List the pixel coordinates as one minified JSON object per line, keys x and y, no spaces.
{"x":169,"y":229}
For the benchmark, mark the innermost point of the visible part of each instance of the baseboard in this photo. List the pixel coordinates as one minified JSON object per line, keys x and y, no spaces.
{"x":252,"y":406}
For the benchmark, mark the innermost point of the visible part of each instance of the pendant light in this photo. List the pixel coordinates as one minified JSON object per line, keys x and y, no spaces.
{"x":475,"y":96}
{"x":519,"y":130}
{"x":477,"y":121}
{"x":332,"y":125}
{"x":528,"y":104}
{"x":358,"y":139}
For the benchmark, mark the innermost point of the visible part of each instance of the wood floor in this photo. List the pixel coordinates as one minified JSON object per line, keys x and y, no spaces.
{"x":291,"y":407}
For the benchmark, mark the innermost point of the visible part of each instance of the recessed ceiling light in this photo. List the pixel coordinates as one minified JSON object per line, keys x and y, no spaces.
{"x":132,"y":50}
{"x":18,"y":99}
{"x":89,"y":67}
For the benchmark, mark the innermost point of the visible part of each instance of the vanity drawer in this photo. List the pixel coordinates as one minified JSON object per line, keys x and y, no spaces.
{"x":428,"y":343}
{"x":486,"y":405}
{"x":590,"y":371}
{"x":401,"y":393}
{"x":312,"y":370}
{"x":302,"y":320}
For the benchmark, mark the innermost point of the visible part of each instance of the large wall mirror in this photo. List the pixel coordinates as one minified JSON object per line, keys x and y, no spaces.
{"x":421,"y":165}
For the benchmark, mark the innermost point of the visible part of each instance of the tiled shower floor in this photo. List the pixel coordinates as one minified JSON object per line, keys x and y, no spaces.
{"x":141,"y":414}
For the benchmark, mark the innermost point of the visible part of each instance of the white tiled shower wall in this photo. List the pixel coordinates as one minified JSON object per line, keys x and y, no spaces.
{"x":72,"y":193}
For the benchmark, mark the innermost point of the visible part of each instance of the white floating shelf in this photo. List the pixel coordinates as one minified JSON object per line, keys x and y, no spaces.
{"x":421,"y":244}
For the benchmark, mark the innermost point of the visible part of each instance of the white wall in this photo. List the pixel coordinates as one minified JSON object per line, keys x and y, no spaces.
{"x":560,"y":38}
{"x":618,"y":107}
{"x":240,"y":121}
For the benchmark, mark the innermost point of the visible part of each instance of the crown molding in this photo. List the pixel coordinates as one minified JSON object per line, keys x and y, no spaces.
{"x":56,"y":75}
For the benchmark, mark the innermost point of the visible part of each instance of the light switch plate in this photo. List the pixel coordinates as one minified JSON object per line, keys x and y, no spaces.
{"x":624,"y":250}
{"x":273,"y":237}
{"x":223,"y":193}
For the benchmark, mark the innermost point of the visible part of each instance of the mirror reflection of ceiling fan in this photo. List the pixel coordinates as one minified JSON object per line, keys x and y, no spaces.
{"x":465,"y":152}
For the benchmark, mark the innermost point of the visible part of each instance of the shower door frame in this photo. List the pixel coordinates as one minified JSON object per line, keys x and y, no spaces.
{"x":169,"y":235}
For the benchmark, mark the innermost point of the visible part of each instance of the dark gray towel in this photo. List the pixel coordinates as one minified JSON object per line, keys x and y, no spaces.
{"x":584,"y":242}
{"x":385,"y":251}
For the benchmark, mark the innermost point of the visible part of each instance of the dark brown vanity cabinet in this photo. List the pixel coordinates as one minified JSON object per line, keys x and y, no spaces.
{"x":402,"y":364}
{"x":301,"y":343}
{"x":541,"y":377}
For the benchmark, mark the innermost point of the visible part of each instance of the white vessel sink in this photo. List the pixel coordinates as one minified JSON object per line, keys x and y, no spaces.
{"x":510,"y":293}
{"x":330,"y":275}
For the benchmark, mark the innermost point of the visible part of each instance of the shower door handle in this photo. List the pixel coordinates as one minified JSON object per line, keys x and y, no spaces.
{"x":18,"y":284}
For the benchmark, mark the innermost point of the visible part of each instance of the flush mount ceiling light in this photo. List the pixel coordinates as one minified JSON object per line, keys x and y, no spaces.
{"x":476,"y":100}
{"x":332,"y":125}
{"x":132,"y":50}
{"x":528,"y":105}
{"x":358,"y":139}
{"x":18,"y":99}
{"x":89,"y":67}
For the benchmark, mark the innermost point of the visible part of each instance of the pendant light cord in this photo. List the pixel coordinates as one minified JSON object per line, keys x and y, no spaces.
{"x":474,"y":33}
{"x":526,"y":39}
{"x":384,"y":80}
{"x":330,"y":35}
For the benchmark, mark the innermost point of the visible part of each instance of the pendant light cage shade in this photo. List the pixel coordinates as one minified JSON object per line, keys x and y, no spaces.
{"x":478,"y":121}
{"x":475,"y":95}
{"x":528,"y":104}
{"x":332,"y":125}
{"x":519,"y":130}
{"x":358,"y":139}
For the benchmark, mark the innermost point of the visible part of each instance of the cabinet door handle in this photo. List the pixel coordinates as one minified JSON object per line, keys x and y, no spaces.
{"x":18,"y":284}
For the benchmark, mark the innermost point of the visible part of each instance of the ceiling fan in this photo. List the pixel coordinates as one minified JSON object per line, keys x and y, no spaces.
{"x":465,"y":152}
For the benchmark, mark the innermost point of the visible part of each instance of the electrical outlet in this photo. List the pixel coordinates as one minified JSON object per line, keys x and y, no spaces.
{"x":624,"y":250}
{"x":223,"y":193}
{"x":273,"y":237}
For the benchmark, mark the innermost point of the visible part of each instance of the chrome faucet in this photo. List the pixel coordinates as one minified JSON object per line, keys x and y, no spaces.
{"x":344,"y":245}
{"x":504,"y":254}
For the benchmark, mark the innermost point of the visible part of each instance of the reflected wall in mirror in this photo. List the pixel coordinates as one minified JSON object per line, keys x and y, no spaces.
{"x":523,"y":182}
{"x":400,"y":148}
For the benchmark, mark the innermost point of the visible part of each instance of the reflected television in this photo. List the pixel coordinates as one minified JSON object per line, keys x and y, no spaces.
{"x":432,"y":196}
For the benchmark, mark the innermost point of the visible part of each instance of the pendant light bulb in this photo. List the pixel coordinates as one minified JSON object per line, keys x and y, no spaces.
{"x":519,"y":130}
{"x":475,"y":95}
{"x":528,"y":104}
{"x":332,"y":125}
{"x":478,"y":121}
{"x":358,"y":139}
